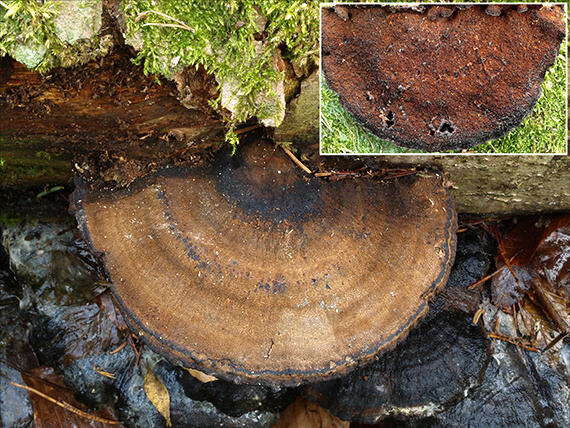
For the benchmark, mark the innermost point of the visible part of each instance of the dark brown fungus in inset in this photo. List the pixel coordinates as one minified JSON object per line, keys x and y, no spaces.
{"x":249,"y":270}
{"x":469,"y":77}
{"x":435,"y":367}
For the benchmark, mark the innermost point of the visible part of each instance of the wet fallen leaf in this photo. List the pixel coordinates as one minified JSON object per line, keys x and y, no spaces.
{"x":305,"y":414}
{"x":525,"y":238}
{"x":540,"y":252}
{"x":553,"y":262}
{"x":537,"y":287}
{"x":55,"y":406}
{"x":88,"y":332}
{"x":105,"y":302}
{"x":157,"y":394}
{"x":508,"y":289}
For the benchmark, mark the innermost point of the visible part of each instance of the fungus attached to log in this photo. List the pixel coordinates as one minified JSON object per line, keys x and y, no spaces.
{"x":248,"y":270}
{"x":449,"y":78}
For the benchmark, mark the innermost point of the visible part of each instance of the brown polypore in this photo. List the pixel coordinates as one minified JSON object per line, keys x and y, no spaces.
{"x":439,"y":78}
{"x":247,"y":270}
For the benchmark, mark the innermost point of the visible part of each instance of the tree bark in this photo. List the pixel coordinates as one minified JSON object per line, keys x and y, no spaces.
{"x":501,"y":185}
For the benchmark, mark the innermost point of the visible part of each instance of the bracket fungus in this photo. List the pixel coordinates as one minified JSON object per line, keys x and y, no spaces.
{"x":250,"y":270}
{"x":439,"y":78}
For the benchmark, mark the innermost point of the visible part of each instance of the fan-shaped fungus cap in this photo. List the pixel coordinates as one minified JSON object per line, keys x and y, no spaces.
{"x":247,"y":270}
{"x":440,"y":79}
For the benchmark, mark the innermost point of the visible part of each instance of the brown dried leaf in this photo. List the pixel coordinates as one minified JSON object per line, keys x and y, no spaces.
{"x":157,"y":394}
{"x":305,"y":414}
{"x":525,"y":238}
{"x":202,"y":377}
{"x":63,"y":410}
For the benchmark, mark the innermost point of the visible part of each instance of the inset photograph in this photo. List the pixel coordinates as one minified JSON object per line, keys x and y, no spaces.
{"x":443,"y":78}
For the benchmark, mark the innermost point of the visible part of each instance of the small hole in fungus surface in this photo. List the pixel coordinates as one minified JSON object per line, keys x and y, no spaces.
{"x":446,"y":127}
{"x":390,"y":119}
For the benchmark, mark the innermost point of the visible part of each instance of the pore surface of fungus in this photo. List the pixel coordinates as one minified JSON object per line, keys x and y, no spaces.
{"x":439,"y":78}
{"x":247,"y":270}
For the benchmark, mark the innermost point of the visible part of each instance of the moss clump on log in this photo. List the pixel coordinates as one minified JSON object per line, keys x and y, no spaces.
{"x":237,"y":41}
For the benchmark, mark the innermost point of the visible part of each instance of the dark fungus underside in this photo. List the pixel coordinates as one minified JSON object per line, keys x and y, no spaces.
{"x":437,"y":81}
{"x":247,"y":270}
{"x":440,"y":360}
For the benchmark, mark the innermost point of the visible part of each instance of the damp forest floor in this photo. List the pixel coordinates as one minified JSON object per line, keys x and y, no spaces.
{"x":542,"y":132}
{"x":52,"y":330}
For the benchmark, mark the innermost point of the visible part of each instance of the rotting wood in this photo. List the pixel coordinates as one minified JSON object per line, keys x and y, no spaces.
{"x":104,"y":101}
{"x":114,"y":121}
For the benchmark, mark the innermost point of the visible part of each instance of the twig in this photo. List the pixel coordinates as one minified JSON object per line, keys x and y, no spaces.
{"x":297,"y":161}
{"x":485,"y":278}
{"x":103,"y":372}
{"x":513,"y":341}
{"x":67,"y":406}
{"x":247,"y":129}
{"x":35,"y":376}
{"x":119,"y":348}
{"x":478,"y":315}
{"x":508,"y":261}
{"x":164,"y":15}
{"x":558,"y":338}
{"x":368,"y":138}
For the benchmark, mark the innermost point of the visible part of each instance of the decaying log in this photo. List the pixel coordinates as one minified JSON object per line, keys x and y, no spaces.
{"x":105,"y":109}
{"x":109,"y":118}
{"x":501,"y":185}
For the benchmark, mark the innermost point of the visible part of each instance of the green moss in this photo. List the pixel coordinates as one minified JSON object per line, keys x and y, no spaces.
{"x":42,"y":34}
{"x":28,"y":24}
{"x":19,"y":164}
{"x":10,"y":220}
{"x":236,"y":40}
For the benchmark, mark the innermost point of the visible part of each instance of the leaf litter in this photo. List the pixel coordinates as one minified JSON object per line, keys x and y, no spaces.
{"x":55,"y":406}
{"x":532,"y":282}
